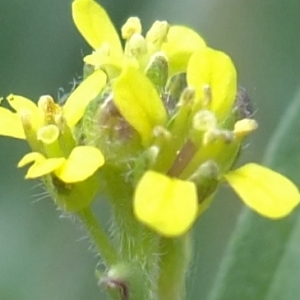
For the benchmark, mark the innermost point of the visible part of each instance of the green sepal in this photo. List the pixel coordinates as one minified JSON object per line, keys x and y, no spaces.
{"x":103,"y":126}
{"x":207,"y":179}
{"x":72,"y":197}
{"x":175,"y":86}
{"x":157,"y":71}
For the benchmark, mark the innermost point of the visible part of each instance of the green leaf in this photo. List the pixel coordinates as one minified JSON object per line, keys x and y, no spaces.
{"x":262,"y":259}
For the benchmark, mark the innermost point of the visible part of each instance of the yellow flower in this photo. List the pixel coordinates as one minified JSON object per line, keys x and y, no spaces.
{"x":178,"y":43}
{"x":47,"y":126}
{"x":82,"y":162}
{"x":170,"y":206}
{"x":180,"y":183}
{"x":169,"y":114}
{"x":176,"y":185}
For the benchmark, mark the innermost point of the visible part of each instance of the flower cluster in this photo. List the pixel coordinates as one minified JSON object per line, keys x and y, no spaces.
{"x":65,"y":166}
{"x":165,"y":114}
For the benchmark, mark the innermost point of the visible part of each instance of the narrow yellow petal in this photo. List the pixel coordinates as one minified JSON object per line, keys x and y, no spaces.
{"x":44,"y":167}
{"x":41,"y":165}
{"x":214,"y":70}
{"x":26,"y":106}
{"x":265,"y":191}
{"x":81,"y":164}
{"x":99,"y":60}
{"x":95,"y":25}
{"x":21,"y":103}
{"x":88,"y":90}
{"x":181,"y":43}
{"x":139,"y":103}
{"x":10,"y":124}
{"x":30,"y":158}
{"x":167,"y":205}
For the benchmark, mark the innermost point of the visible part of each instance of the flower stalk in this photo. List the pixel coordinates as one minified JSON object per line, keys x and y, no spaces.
{"x":175,"y":260}
{"x":98,"y":236}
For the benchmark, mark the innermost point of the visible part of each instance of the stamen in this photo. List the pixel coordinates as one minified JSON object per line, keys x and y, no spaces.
{"x":244,"y":127}
{"x":204,"y":120}
{"x":218,"y":134}
{"x":49,"y":108}
{"x":161,"y":133}
{"x":133,"y":25}
{"x":136,"y":46}
{"x":187,"y":97}
{"x":156,"y":35}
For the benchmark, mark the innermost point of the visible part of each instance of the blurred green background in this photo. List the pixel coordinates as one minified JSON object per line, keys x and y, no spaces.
{"x":42,"y":254}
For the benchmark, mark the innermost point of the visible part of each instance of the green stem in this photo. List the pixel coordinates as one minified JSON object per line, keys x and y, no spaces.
{"x":98,"y":235}
{"x":139,"y":250}
{"x":138,"y":246}
{"x":174,"y":263}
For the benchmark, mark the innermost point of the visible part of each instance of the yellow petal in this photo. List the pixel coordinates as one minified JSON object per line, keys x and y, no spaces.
{"x":265,"y":191}
{"x":99,"y":60}
{"x":41,"y":165}
{"x":112,"y":64}
{"x":81,"y":164}
{"x":10,"y":124}
{"x":181,"y":43}
{"x":139,"y":103}
{"x":45,"y":167}
{"x":215,"y":69}
{"x":167,"y":205}
{"x":27,"y":106}
{"x":88,"y":90}
{"x":30,"y":158}
{"x":95,"y":25}
{"x":21,"y":103}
